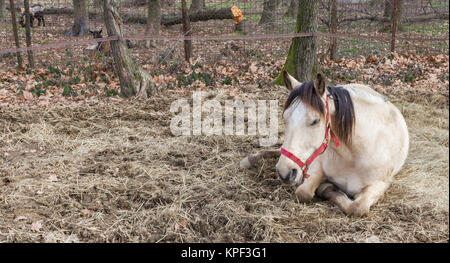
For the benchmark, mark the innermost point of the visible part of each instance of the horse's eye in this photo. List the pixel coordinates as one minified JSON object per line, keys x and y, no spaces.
{"x":314,"y":122}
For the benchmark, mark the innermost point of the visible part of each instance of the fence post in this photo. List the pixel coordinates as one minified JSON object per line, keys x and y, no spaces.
{"x":187,"y":31}
{"x":28,"y":32}
{"x":394,"y":25}
{"x":16,"y":34}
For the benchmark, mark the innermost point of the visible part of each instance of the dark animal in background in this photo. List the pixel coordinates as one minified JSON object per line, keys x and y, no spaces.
{"x":36,"y":11}
{"x":104,"y":46}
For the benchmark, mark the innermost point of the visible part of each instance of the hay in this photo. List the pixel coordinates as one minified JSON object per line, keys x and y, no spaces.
{"x":114,"y":173}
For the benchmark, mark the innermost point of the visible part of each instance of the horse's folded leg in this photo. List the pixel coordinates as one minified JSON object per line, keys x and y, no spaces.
{"x":253,"y":159}
{"x":329,"y":191}
{"x":367,"y":198}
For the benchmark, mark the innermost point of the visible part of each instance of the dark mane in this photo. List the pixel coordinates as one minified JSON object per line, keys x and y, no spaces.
{"x":342,"y":121}
{"x":306,"y":94}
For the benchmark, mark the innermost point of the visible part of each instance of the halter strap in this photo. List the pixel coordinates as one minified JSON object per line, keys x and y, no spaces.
{"x":328,"y":133}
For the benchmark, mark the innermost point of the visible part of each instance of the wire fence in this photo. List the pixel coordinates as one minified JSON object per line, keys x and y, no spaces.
{"x":266,"y":30}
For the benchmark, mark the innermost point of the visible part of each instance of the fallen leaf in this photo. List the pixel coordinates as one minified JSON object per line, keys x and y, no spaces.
{"x":253,"y":68}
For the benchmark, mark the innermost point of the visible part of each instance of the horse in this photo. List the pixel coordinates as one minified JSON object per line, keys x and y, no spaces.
{"x":343,"y":144}
{"x":36,"y":11}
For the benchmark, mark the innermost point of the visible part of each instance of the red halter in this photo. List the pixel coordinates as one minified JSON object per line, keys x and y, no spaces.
{"x":319,"y":151}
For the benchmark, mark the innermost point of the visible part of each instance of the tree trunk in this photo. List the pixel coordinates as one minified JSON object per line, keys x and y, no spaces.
{"x":153,"y":20}
{"x":394,"y":25}
{"x":166,"y":20}
{"x":301,"y":61}
{"x":202,"y":15}
{"x":269,"y":12}
{"x":388,"y":12}
{"x":2,"y":8}
{"x":81,"y":19}
{"x":400,"y":5}
{"x":197,"y":5}
{"x":97,"y":4}
{"x":333,"y":28}
{"x":134,"y":81}
{"x":186,"y":31}
{"x":15,"y":32}
{"x":388,"y":8}
{"x":28,"y":32}
{"x":292,"y":9}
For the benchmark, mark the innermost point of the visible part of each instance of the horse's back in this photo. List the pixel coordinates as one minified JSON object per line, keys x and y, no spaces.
{"x":380,"y":127}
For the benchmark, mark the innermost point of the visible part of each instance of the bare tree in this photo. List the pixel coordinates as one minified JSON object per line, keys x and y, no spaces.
{"x":400,"y":7}
{"x":153,"y":20}
{"x":186,"y":31}
{"x":197,"y":5}
{"x":28,"y":32}
{"x":134,"y":81}
{"x":81,"y":19}
{"x":301,"y":61}
{"x":269,"y":12}
{"x":15,"y":31}
{"x":292,"y":9}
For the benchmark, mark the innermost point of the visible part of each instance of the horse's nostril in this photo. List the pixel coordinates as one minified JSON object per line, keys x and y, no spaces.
{"x":293,"y":175}
{"x":283,"y":179}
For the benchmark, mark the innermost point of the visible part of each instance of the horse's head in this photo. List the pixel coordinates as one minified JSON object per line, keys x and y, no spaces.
{"x":304,"y":118}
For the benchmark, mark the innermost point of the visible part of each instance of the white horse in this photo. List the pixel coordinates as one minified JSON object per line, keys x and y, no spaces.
{"x":349,"y":158}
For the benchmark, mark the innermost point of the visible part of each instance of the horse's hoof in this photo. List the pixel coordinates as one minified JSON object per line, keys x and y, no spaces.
{"x":356,"y":209}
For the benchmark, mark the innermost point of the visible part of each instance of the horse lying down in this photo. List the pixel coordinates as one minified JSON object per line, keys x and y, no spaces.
{"x":36,"y":11}
{"x":343,"y":144}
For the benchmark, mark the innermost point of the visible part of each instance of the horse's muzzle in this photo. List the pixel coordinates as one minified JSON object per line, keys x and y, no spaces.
{"x":290,"y":178}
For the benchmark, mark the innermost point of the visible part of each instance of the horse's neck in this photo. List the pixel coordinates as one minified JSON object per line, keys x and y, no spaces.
{"x":364,"y":93}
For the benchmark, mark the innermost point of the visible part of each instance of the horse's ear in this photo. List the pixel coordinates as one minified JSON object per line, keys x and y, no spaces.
{"x":289,"y":81}
{"x":319,"y":84}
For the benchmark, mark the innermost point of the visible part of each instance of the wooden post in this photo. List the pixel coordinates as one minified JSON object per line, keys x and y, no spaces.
{"x":333,"y":28}
{"x":15,"y":32}
{"x":394,"y":25}
{"x":187,"y":31}
{"x":28,"y":32}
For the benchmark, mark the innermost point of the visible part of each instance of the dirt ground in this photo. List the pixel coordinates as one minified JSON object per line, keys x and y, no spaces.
{"x":113,"y":172}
